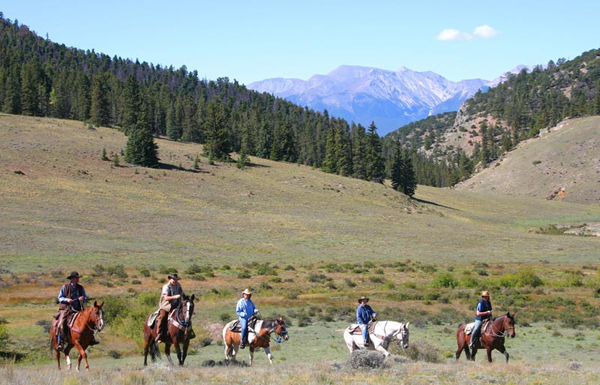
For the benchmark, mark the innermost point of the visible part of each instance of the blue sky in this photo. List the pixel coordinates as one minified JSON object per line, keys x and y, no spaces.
{"x":254,"y":40}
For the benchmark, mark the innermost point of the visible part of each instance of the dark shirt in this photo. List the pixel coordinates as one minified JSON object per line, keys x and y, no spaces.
{"x":364,"y":314}
{"x":483,"y":306}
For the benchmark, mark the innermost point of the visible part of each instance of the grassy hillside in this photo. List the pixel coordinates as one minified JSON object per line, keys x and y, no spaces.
{"x":307,"y":242}
{"x":563,"y":160}
{"x":70,"y":206}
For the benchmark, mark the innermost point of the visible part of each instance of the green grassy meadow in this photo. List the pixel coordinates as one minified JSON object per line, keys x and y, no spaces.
{"x":307,"y":242}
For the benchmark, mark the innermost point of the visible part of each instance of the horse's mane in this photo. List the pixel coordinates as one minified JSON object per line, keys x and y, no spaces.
{"x":270,"y":323}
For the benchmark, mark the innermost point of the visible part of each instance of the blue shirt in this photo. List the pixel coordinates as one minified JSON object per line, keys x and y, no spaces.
{"x":76,"y":292}
{"x":364,"y":314}
{"x":245,"y":308}
{"x":483,"y":305}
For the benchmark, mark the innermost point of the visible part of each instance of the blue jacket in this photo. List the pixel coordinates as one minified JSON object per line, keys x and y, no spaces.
{"x":483,"y":305}
{"x":364,"y":314}
{"x":245,"y":308}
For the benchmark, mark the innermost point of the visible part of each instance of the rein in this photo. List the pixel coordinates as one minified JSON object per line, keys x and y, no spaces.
{"x":494,"y":333}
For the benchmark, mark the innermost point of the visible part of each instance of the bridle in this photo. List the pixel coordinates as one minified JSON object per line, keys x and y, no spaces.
{"x":495,"y":333}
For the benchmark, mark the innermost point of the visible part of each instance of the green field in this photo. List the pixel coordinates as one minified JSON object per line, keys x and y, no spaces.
{"x":308,"y":243}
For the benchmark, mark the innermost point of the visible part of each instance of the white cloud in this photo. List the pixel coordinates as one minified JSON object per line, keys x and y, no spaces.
{"x":485,"y":32}
{"x":480,"y":32}
{"x":453,"y":35}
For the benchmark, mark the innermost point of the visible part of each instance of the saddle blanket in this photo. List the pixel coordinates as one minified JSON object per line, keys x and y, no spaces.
{"x":235,"y":327}
{"x":153,"y":316}
{"x":355,"y":329}
{"x":469,"y":327}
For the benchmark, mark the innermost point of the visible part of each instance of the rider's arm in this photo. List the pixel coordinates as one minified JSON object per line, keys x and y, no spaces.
{"x":61,"y":296}
{"x":84,"y":295}
{"x":481,"y":313}
{"x":240,"y":310}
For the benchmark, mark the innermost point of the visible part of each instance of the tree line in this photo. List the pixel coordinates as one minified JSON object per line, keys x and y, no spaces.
{"x":39,"y":77}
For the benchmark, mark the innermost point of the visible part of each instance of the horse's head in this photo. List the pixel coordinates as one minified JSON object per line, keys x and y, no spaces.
{"x":98,"y":316}
{"x":187,"y":307}
{"x":280,"y":328}
{"x":403,"y":335}
{"x":509,"y":324}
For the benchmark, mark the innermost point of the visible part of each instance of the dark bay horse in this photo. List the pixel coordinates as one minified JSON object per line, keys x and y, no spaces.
{"x":262,"y":339}
{"x":179,"y":329}
{"x":89,"y":321}
{"x":492,"y":338}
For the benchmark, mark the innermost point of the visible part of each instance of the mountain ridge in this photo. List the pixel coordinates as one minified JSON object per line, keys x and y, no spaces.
{"x":390,"y":98}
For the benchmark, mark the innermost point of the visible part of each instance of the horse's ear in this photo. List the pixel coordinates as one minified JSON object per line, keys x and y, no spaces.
{"x":508,"y":314}
{"x":102,"y":304}
{"x":193,"y":297}
{"x":406,"y":326}
{"x":95,"y":304}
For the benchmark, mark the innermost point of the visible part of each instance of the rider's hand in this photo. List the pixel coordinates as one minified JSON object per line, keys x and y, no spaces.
{"x":69,"y":300}
{"x":81,"y":298}
{"x":177,"y":296}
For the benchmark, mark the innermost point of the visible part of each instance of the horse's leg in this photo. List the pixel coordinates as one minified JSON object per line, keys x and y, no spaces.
{"x":58,"y":358}
{"x":473,"y":353}
{"x":82,"y":355}
{"x":459,"y":351}
{"x":379,"y":347}
{"x":186,"y":344}
{"x":146,"y":349}
{"x":168,"y":352}
{"x":489,"y":353}
{"x":178,"y":351}
{"x":269,"y":355}
{"x":251,"y":355}
{"x":503,"y":350}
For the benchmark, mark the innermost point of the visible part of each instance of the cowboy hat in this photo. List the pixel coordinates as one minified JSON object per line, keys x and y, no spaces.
{"x":363,"y":298}
{"x":174,"y":276}
{"x":485,"y":293}
{"x":74,"y":274}
{"x":247,"y":291}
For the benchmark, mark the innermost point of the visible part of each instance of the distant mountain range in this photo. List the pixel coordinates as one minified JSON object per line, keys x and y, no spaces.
{"x":390,"y":98}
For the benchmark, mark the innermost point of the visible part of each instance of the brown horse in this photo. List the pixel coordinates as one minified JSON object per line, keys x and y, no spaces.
{"x":180,"y":332}
{"x":262,"y":339}
{"x":492,"y":338}
{"x":88,"y":322}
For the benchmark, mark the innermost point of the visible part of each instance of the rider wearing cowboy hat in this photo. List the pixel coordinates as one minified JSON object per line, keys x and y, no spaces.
{"x":364,"y":315}
{"x":70,"y":299}
{"x":245,"y":309}
{"x":483,"y":312}
{"x":169,"y":299}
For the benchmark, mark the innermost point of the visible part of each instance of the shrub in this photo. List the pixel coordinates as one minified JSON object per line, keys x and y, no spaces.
{"x":45,"y":325}
{"x":351,"y":283}
{"x":3,"y":336}
{"x":445,"y":280}
{"x":244,"y":274}
{"x":114,"y":354}
{"x":419,"y":351}
{"x":523,"y":277}
{"x":136,"y":282}
{"x":376,"y":279}
{"x":117,"y":271}
{"x":167,"y":270}
{"x":366,"y":359}
{"x":145,"y":272}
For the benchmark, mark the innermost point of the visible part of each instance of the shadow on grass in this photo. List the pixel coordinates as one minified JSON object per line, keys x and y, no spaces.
{"x":426,"y":202}
{"x":166,"y":166}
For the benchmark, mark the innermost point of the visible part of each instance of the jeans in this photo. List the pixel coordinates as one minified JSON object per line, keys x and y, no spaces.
{"x":475,"y":332}
{"x":244,"y":325}
{"x":365,"y":332}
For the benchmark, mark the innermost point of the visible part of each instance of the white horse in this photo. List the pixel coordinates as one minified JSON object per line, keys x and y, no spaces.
{"x":381,"y":337}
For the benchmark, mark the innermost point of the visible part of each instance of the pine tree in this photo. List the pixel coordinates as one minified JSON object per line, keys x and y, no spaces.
{"x":359,"y":152}
{"x":398,"y":169}
{"x":131,"y":104}
{"x":215,"y":125}
{"x":343,"y":149}
{"x":103,"y":156}
{"x":330,"y":163}
{"x":374,"y":161}
{"x":196,"y":165}
{"x":100,"y":109}
{"x":409,"y":179}
{"x":141,"y":149}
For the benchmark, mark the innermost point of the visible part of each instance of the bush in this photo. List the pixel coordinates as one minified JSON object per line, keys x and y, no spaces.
{"x":145,"y":272}
{"x":44,"y":324}
{"x":117,"y":271}
{"x":244,"y":274}
{"x":419,"y":351}
{"x":367,"y":359}
{"x":3,"y":336}
{"x":444,"y":280}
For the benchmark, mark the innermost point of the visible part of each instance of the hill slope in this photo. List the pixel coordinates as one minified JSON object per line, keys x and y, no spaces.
{"x":71,"y":207}
{"x":566,"y":158}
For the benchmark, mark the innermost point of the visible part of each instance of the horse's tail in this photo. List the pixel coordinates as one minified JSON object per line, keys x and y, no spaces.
{"x":154,"y":351}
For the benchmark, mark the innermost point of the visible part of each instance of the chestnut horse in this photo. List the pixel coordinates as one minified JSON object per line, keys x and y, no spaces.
{"x":261,"y":340}
{"x":88,"y":322}
{"x":492,"y":338}
{"x":179,"y":329}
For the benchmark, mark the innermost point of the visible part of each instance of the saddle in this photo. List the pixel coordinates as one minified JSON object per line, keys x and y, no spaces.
{"x":254,"y":325}
{"x":354,"y":329}
{"x":154,"y":315}
{"x":484,"y":327}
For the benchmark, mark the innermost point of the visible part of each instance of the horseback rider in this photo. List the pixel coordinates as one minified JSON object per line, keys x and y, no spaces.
{"x":483,"y":312}
{"x":364,"y":315}
{"x":245,"y":310}
{"x":169,"y":299}
{"x":70,"y":299}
